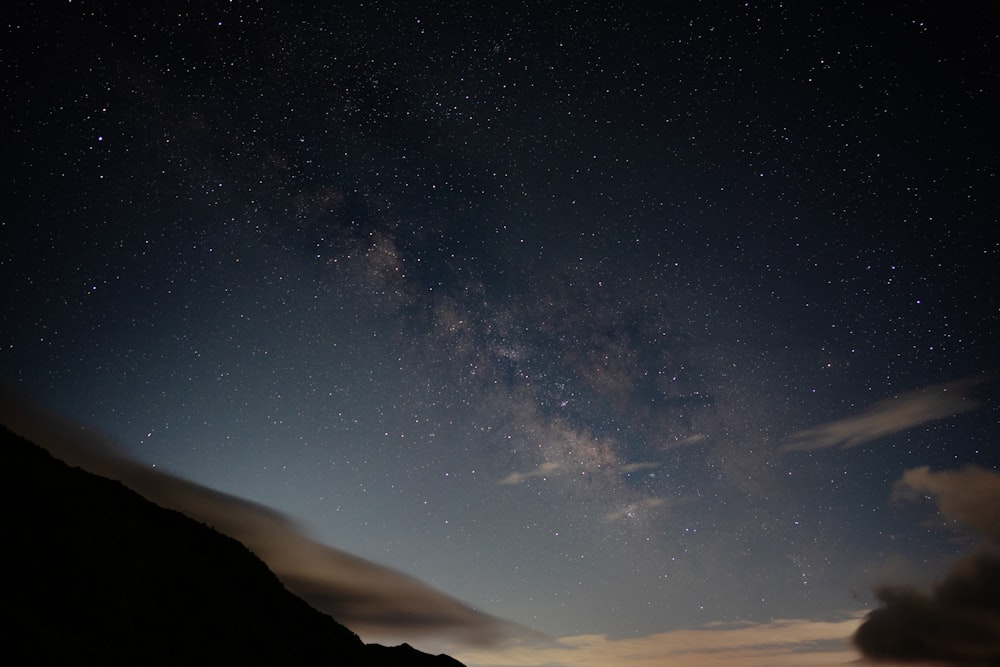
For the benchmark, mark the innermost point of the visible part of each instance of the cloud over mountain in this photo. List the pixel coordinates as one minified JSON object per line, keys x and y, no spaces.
{"x":373,"y":600}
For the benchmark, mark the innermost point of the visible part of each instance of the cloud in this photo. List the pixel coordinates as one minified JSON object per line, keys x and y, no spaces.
{"x":630,"y":509}
{"x":970,"y":496}
{"x":959,"y":621}
{"x":636,"y":467}
{"x":780,"y":643}
{"x":890,"y":416}
{"x":372,"y":600}
{"x":689,"y":440}
{"x":541,"y":471}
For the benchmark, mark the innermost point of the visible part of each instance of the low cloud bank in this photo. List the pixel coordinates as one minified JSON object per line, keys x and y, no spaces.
{"x":780,"y":643}
{"x":372,"y":600}
{"x":958,"y":622}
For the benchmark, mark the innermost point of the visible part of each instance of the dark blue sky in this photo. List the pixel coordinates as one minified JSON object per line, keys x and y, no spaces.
{"x":601,"y":320}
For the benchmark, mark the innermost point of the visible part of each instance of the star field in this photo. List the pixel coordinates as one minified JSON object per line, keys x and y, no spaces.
{"x":604,"y":321}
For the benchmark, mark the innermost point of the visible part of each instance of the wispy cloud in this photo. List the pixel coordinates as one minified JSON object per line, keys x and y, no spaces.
{"x":970,"y":496}
{"x":372,"y":600}
{"x":636,"y":467}
{"x":890,"y":416}
{"x":780,"y":643}
{"x":689,"y":440}
{"x":543,"y":470}
{"x":632,"y":508}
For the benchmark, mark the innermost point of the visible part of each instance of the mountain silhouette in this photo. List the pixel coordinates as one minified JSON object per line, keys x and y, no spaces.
{"x":97,"y":574}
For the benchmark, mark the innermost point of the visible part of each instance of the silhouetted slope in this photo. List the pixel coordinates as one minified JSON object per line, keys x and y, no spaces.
{"x":404,"y":654}
{"x":96,"y":574}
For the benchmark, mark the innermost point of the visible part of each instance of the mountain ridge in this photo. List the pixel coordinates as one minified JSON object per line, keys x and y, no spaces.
{"x":101,"y":575}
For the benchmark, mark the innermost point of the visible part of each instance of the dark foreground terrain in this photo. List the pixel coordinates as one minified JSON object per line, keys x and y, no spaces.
{"x":94,"y":574}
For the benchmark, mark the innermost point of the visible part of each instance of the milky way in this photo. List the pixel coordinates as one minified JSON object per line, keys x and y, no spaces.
{"x":610,"y":323}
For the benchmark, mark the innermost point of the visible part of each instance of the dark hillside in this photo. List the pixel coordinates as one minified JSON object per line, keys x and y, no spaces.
{"x":96,"y":574}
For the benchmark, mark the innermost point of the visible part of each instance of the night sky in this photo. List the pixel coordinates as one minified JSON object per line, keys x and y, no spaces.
{"x":634,"y":328}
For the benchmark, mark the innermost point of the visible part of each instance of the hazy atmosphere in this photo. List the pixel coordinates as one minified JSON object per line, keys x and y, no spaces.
{"x":590,"y":335}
